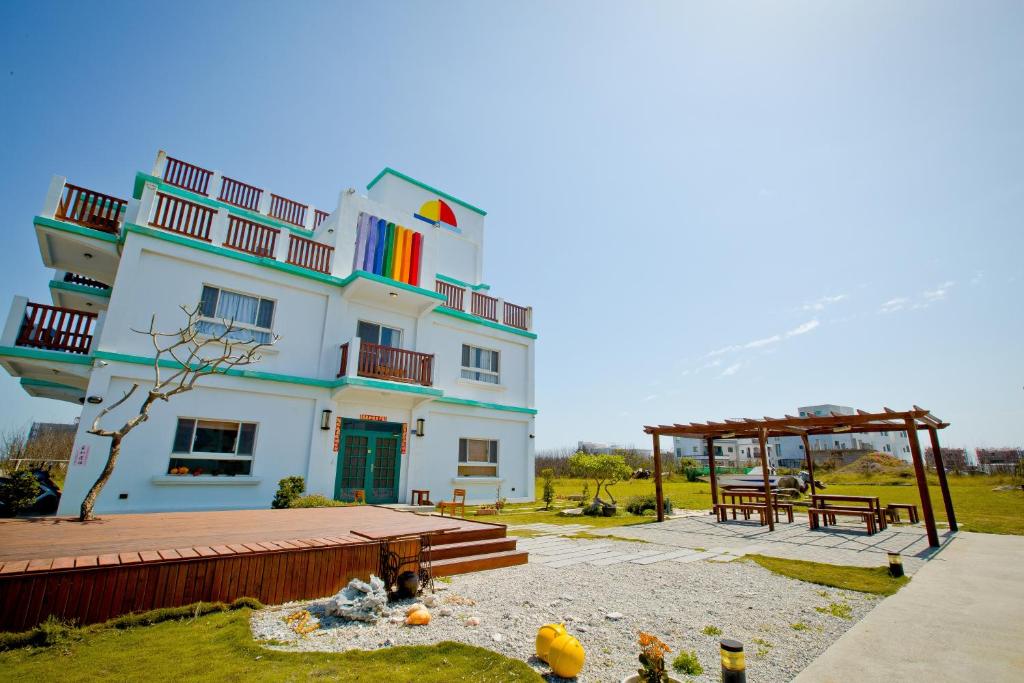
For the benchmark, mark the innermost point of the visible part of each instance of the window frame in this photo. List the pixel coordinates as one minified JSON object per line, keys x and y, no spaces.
{"x":192,"y":454}
{"x":482,"y":371}
{"x":495,"y":453}
{"x":252,"y":327}
{"x":380,"y":328}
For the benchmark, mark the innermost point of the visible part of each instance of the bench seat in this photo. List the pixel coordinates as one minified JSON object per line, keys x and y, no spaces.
{"x":866,"y":516}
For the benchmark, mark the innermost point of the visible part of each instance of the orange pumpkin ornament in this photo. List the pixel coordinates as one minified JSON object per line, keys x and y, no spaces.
{"x":420,"y":617}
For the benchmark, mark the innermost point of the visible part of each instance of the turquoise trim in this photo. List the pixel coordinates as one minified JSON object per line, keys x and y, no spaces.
{"x":80,"y":289}
{"x":394,"y":386}
{"x":460,"y":283}
{"x":392,"y":283}
{"x":428,"y":188}
{"x":44,"y":354}
{"x":142,"y":178}
{"x":462,"y":315}
{"x":44,"y":222}
{"x":480,"y":404}
{"x":43,"y":384}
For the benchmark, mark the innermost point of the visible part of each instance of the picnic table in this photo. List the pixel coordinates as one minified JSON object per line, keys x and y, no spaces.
{"x":825,"y":507}
{"x":736,"y":497}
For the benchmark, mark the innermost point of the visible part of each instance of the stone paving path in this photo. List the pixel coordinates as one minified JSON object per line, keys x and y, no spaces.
{"x":691,"y":537}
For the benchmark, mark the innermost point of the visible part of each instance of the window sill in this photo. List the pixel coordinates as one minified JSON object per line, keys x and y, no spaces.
{"x":477,"y":480}
{"x":204,"y":480}
{"x":268,"y":349}
{"x":480,"y":385}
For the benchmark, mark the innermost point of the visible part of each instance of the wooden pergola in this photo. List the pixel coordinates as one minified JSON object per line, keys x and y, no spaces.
{"x":863,"y":422}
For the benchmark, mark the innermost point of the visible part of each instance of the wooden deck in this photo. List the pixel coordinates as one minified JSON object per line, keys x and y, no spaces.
{"x":127,"y":563}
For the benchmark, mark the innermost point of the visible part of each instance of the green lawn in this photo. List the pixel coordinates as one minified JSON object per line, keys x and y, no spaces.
{"x":219,"y":647}
{"x":978,"y":506}
{"x":864,"y":579}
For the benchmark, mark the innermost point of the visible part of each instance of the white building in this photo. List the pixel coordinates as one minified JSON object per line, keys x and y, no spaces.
{"x":395,"y":369}
{"x":788,"y":451}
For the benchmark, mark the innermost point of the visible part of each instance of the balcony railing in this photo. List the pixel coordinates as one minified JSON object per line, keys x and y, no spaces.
{"x":187,"y":176}
{"x":287,"y":210}
{"x":484,"y":306}
{"x":76,"y":279}
{"x":251,"y":238}
{"x":56,"y":329}
{"x":182,"y":216}
{"x":318,"y":217}
{"x":309,"y":254}
{"x":387,"y":362}
{"x":91,"y":209}
{"x":240,"y":194}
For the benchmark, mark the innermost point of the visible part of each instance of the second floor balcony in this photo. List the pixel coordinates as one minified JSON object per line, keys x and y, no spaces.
{"x":376,"y":361}
{"x":461,"y":297}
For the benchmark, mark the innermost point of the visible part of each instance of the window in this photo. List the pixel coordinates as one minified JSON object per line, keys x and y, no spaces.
{"x":216,"y":447}
{"x":478,"y":458}
{"x":379,"y":334}
{"x":888,"y":449}
{"x":252,"y":316}
{"x":479,"y":364}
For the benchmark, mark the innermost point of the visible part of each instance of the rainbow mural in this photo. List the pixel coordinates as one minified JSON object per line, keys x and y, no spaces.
{"x":437,"y":212}
{"x":387,"y":249}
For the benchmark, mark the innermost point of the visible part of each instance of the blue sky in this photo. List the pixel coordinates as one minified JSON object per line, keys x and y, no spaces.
{"x":716,"y":209}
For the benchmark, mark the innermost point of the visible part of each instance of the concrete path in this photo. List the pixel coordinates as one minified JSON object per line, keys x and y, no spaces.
{"x":961,"y":618}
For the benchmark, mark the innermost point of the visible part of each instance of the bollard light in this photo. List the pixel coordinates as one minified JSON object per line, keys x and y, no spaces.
{"x":895,"y":565}
{"x":734,"y":666}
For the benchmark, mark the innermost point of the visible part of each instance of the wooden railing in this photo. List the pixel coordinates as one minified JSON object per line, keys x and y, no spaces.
{"x":396,"y":365}
{"x":240,"y":194}
{"x":91,"y":209}
{"x":251,"y":238}
{"x":187,"y":176}
{"x":318,"y":217}
{"x":453,"y":293}
{"x":181,"y":216}
{"x":485,"y":306}
{"x":344,"y":360}
{"x":56,"y":329}
{"x":517,"y":316}
{"x":288,"y":210}
{"x":76,"y":279}
{"x":309,"y":254}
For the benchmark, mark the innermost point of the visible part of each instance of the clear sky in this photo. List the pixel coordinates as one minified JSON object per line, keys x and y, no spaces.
{"x":716,"y":209}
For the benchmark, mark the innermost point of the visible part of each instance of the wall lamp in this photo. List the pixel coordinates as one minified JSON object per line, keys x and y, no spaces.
{"x":419,"y":426}
{"x":325,"y":420}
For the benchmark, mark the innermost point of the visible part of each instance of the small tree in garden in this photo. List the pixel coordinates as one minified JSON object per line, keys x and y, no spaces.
{"x":192,"y":357}
{"x":549,"y":487}
{"x":604,"y":470}
{"x":288,"y":491}
{"x":19,"y":491}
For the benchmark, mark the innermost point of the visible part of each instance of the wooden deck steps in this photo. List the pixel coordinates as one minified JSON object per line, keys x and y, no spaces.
{"x":484,"y":546}
{"x":476,"y":563}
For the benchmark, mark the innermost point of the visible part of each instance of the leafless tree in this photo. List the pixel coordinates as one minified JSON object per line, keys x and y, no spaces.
{"x":953,"y":459}
{"x":192,"y":356}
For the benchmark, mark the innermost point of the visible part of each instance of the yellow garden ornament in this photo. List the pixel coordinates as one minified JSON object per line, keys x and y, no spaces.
{"x":419,"y":617}
{"x":566,"y":656}
{"x":546,"y":635}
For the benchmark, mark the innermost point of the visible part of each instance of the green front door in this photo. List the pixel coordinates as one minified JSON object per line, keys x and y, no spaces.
{"x":369,"y":461}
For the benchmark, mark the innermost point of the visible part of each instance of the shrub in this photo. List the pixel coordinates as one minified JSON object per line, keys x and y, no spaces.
{"x":638,"y":504}
{"x":315,"y":500}
{"x":691,"y":474}
{"x":288,"y":489}
{"x":687,"y":663}
{"x":19,"y":492}
{"x":549,"y":487}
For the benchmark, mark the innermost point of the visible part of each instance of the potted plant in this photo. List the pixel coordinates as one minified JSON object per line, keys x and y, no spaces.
{"x":652,"y":662}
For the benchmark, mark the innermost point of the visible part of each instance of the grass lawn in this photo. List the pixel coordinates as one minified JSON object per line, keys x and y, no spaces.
{"x":864,"y":579}
{"x":978,"y":506}
{"x":219,"y":647}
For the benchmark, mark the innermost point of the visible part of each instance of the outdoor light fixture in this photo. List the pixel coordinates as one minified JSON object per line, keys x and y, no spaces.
{"x":95,"y":399}
{"x":895,"y":565}
{"x":393,"y":295}
{"x":325,"y":420}
{"x":419,"y":426}
{"x":87,"y":255}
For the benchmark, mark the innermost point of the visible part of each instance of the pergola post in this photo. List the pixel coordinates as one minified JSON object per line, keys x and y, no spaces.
{"x":762,"y":438}
{"x":940,"y":469}
{"x":810,"y":461}
{"x":710,"y":441}
{"x":922,"y":484}
{"x":657,"y":479}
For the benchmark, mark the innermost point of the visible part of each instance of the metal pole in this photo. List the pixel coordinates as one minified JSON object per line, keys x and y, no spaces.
{"x":940,"y":468}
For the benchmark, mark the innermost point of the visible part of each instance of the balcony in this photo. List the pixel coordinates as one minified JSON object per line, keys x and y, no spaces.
{"x":78,"y":292}
{"x":78,"y":230}
{"x":375,"y":361}
{"x":484,"y":306}
{"x":56,"y":329}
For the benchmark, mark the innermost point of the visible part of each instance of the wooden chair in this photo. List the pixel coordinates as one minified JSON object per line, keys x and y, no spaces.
{"x":421,"y":497}
{"x":458,"y":501}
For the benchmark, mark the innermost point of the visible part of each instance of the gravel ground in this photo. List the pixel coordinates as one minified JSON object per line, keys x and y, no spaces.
{"x":671,"y":600}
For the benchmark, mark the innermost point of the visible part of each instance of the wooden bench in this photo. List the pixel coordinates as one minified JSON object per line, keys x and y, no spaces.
{"x":788,"y":507}
{"x":722,"y":511}
{"x":892,"y":510}
{"x":827,"y":513}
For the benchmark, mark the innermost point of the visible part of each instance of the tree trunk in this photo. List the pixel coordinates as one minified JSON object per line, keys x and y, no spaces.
{"x":108,"y":469}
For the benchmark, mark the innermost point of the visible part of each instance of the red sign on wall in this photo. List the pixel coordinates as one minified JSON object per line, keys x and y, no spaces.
{"x":337,"y":435}
{"x":405,"y":436}
{"x":373,"y":418}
